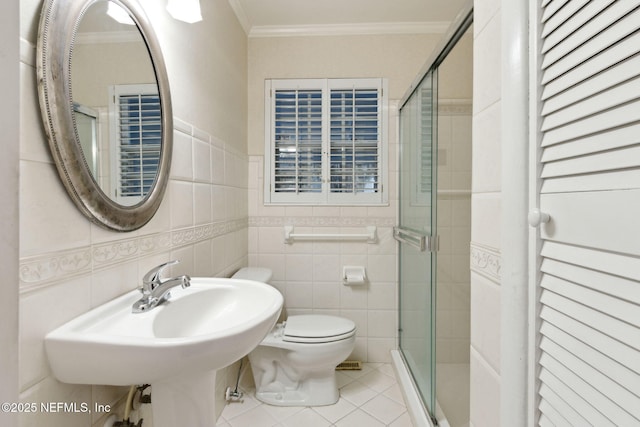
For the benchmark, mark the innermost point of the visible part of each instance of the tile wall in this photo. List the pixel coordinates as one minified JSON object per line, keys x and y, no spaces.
{"x":486,"y":218}
{"x":202,"y":222}
{"x":309,"y":274}
{"x":454,"y":229}
{"x":68,"y":265}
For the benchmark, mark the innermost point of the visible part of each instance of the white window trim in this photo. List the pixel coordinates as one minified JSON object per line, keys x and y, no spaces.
{"x":326,"y":198}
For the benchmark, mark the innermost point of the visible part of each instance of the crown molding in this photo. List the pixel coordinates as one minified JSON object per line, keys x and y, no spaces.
{"x":348,"y":29}
{"x":236,"y":5}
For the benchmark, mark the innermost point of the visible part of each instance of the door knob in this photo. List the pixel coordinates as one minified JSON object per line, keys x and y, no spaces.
{"x":537,"y":217}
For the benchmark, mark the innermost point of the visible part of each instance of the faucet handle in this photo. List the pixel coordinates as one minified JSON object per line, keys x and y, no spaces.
{"x":152,"y":278}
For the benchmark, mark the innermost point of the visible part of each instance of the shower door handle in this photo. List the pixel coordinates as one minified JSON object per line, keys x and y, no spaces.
{"x":420,"y":241}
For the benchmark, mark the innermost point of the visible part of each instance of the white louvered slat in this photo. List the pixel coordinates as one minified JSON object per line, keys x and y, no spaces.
{"x":562,"y":16}
{"x":562,"y":412}
{"x":576,"y":32}
{"x":577,"y":401}
{"x":611,"y":263}
{"x":554,"y":34}
{"x":603,"y":343}
{"x":596,"y":38}
{"x":620,"y":116}
{"x":545,"y":422}
{"x":597,"y":162}
{"x":614,"y":286}
{"x":592,"y":105}
{"x":592,"y":396}
{"x":583,"y":71}
{"x":594,"y":319}
{"x":619,"y":309}
{"x":614,"y":138}
{"x":617,"y":372}
{"x":617,"y":180}
{"x":564,"y":415}
{"x":554,"y":416}
{"x":608,"y":78}
{"x":608,"y":388}
{"x":552,"y":8}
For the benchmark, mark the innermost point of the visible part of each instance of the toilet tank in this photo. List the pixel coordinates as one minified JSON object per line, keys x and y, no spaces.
{"x":258,"y":274}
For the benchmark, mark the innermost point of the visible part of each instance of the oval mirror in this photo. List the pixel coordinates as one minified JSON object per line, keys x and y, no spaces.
{"x":105,"y":101}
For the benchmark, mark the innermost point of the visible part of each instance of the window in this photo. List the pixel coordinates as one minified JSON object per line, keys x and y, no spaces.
{"x":137,"y":129}
{"x":325,"y":141}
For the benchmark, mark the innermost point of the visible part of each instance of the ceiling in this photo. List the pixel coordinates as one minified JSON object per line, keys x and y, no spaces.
{"x":281,"y":17}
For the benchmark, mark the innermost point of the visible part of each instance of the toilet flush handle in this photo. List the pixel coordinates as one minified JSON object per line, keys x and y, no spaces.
{"x":537,"y":217}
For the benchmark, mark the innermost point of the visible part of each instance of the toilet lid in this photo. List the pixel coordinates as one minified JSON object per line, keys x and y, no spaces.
{"x":317,"y":328}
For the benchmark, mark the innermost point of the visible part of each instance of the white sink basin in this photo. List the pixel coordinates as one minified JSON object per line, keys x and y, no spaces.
{"x":204,"y":327}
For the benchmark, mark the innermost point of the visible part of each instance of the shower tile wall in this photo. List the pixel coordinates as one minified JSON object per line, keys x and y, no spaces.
{"x":454,"y":229}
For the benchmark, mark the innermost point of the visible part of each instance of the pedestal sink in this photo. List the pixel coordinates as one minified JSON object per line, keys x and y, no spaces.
{"x":176,"y":347}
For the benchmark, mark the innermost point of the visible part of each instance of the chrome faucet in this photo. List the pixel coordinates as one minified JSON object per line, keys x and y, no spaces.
{"x":155,"y":291}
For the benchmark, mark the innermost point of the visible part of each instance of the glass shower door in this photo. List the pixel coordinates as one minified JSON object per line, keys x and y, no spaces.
{"x":415,"y":230}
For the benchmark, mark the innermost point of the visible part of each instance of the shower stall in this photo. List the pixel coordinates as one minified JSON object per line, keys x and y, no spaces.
{"x":434,"y":229}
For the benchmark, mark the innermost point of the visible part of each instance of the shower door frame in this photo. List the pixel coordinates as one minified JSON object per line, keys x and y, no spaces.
{"x":456,"y":30}
{"x":417,"y":242}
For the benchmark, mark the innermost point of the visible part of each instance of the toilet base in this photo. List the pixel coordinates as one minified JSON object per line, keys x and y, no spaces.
{"x":312,"y":392}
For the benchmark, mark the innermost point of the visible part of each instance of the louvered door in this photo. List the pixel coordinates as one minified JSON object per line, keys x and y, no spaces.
{"x":589,"y":366}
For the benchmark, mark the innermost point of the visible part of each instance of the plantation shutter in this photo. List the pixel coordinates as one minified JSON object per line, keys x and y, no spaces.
{"x":324,"y":141}
{"x":139,"y":138}
{"x":298,"y":141}
{"x":355,"y":140}
{"x":589,"y":336}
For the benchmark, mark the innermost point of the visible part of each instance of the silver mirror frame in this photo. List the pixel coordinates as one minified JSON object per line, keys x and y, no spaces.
{"x":57,"y":30}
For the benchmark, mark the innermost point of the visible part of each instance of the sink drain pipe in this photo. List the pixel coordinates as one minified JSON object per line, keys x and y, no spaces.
{"x":235,"y":395}
{"x":129,"y":406}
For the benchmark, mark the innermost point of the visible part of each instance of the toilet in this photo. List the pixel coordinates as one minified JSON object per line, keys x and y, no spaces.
{"x":295,"y":363}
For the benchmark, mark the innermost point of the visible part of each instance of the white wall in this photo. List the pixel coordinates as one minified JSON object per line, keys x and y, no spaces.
{"x":68,"y":265}
{"x":9,"y":123}
{"x":308,"y":273}
{"x":486,"y":217}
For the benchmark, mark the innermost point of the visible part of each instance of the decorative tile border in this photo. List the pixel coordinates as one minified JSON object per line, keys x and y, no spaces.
{"x":486,"y":261}
{"x":48,"y":268}
{"x":455,"y":107}
{"x":320,"y":221}
{"x":45,"y":269}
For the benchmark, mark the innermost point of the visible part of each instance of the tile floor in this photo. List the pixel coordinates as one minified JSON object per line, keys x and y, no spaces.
{"x":368,"y":398}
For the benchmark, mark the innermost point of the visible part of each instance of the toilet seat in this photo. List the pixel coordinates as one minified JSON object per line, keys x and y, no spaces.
{"x":317,"y":328}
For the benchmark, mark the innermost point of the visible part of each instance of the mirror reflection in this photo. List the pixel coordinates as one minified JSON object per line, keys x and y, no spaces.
{"x":116,"y":103}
